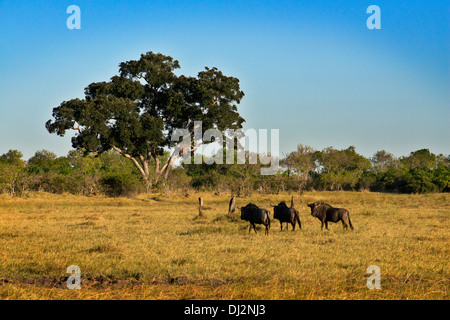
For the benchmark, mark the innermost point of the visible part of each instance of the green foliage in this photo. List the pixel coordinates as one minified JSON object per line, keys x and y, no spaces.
{"x":305,"y":169}
{"x":120,"y":184}
{"x":136,"y":112}
{"x":340,"y":169}
{"x":239,"y":179}
{"x":419,"y":181}
{"x":441,"y":178}
{"x":45,"y":161}
{"x":336,"y":161}
{"x":118,"y":176}
{"x":421,"y":159}
{"x":329,"y":169}
{"x":382,"y":161}
{"x":300,"y":164}
{"x":12,"y":172}
{"x":177,"y":180}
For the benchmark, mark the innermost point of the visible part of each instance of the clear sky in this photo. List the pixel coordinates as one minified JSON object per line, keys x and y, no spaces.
{"x":310,"y":68}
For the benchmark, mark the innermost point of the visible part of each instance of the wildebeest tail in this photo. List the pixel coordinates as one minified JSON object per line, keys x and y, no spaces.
{"x":267,"y":222}
{"x":349,"y":222}
{"x":298,"y":219}
{"x":268,"y":218}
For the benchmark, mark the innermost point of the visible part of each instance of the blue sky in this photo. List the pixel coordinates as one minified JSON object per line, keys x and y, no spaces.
{"x":310,"y":68}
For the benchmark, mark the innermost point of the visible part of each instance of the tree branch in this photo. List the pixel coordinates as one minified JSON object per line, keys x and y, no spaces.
{"x":136,"y":163}
{"x":77,"y":128}
{"x":144,"y":164}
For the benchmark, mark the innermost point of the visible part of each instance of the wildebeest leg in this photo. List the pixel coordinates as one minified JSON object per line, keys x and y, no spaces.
{"x":293,"y":226}
{"x":326,"y":225}
{"x":281,"y":225}
{"x":321,"y":227}
{"x":250,"y":228}
{"x":344,"y":225}
{"x":254,"y":228}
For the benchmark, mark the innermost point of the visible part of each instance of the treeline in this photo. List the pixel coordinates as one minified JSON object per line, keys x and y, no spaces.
{"x":304,"y":169}
{"x":331,"y":169}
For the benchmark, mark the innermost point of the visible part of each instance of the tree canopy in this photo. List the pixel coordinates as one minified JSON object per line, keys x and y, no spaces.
{"x":136,"y":112}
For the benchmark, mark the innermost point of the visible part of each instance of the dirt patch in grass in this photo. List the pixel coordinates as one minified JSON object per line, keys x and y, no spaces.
{"x":104,"y":282}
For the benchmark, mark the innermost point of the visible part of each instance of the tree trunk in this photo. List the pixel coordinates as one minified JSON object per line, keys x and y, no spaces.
{"x":12,"y":191}
{"x":143,"y":166}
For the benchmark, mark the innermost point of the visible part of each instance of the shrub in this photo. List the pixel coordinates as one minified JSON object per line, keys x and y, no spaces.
{"x":121,"y":184}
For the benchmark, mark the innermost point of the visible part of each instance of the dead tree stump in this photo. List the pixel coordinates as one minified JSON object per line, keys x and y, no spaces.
{"x":200,"y":204}
{"x":232,"y":205}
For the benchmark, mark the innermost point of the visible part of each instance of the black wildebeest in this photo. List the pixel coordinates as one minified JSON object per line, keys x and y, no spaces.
{"x":255,"y":215}
{"x":285,"y":214}
{"x":324,"y":212}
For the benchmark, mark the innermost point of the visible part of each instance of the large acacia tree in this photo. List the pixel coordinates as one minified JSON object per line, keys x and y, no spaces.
{"x":136,"y":112}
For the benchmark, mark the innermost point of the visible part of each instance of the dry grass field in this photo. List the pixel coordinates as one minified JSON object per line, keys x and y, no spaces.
{"x":155,"y":247}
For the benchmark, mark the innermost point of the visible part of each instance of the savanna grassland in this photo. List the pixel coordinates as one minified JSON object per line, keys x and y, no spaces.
{"x":155,"y":247}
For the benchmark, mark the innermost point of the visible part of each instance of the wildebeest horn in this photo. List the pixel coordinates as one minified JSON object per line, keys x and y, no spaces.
{"x":272,"y":205}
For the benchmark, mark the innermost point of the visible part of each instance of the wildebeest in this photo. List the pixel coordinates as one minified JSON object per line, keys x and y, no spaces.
{"x":255,"y":215}
{"x":285,"y":214}
{"x":324,"y":212}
